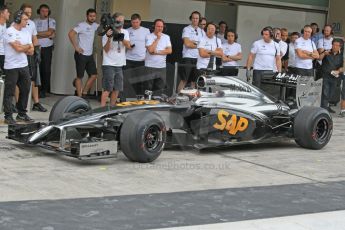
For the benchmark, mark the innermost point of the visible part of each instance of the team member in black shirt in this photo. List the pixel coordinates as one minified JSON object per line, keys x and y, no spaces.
{"x":332,"y":66}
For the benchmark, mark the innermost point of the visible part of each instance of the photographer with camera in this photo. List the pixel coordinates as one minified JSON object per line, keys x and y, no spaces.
{"x":82,"y":37}
{"x":115,"y":41}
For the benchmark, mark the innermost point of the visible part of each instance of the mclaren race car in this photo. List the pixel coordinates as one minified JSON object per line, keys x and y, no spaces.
{"x":222,"y":111}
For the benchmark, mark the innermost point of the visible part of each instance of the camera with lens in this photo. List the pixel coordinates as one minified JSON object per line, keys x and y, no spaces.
{"x":109,"y":23}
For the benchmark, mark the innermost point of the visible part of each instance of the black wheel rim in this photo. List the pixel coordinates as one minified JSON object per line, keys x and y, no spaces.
{"x":321,"y":130}
{"x":152,"y":138}
{"x":76,"y":112}
{"x":80,"y":111}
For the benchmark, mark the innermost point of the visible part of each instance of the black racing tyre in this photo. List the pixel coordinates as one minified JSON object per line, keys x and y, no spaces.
{"x":313,"y":127}
{"x":142,"y":136}
{"x":67,"y":105}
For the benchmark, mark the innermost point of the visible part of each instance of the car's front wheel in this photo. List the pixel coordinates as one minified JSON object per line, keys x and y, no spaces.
{"x":313,"y":127}
{"x":66,"y":106}
{"x":143,"y":136}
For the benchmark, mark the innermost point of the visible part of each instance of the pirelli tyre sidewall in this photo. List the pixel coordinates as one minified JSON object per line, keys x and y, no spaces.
{"x":67,"y":105}
{"x":142,"y":136}
{"x":313,"y":127}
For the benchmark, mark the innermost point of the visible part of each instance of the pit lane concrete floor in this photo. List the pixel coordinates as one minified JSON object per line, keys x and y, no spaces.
{"x":267,"y":186}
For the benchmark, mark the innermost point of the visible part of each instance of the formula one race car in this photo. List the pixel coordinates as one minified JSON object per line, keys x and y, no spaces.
{"x":222,"y":111}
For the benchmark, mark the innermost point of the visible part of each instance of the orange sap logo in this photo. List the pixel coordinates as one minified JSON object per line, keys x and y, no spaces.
{"x":231,"y":123}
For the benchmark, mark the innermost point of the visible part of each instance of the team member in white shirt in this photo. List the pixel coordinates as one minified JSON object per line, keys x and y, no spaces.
{"x":202,"y":23}
{"x":45,"y":33}
{"x":33,"y":60}
{"x":18,"y":44}
{"x":191,"y":36}
{"x":223,"y":27}
{"x":4,"y":17}
{"x":82,"y":37}
{"x":158,"y":46}
{"x":265,"y":53}
{"x":232,"y":54}
{"x":306,"y":52}
{"x":114,"y":58}
{"x":324,"y":44}
{"x":136,"y":55}
{"x":209,"y":48}
{"x":285,"y":38}
{"x":278,"y":39}
{"x":292,"y":53}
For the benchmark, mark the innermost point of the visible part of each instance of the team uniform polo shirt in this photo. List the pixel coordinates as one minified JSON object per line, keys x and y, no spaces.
{"x":231,"y":50}
{"x":14,"y":59}
{"x":306,"y":45}
{"x":222,"y":38}
{"x":325,"y":43}
{"x":86,"y":36}
{"x":157,"y":61}
{"x":283,"y":48}
{"x":193,"y":34}
{"x":292,"y":55}
{"x":137,"y":38}
{"x":30,"y":28}
{"x":41,"y":26}
{"x":210,"y":44}
{"x":265,"y":54}
{"x":2,"y":34}
{"x":116,"y":56}
{"x":316,"y":37}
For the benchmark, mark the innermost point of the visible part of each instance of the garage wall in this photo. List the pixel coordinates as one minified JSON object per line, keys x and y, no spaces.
{"x":177,"y":11}
{"x":217,"y":12}
{"x":137,"y":6}
{"x":336,"y":16}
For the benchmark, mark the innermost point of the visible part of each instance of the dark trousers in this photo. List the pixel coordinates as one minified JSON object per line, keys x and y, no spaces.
{"x":188,"y":71}
{"x":328,"y":86}
{"x":157,"y":82}
{"x":291,"y":70}
{"x":304,"y":72}
{"x":22,"y":78}
{"x":134,"y":72}
{"x":45,"y":68}
{"x":228,"y":71}
{"x":2,"y":62}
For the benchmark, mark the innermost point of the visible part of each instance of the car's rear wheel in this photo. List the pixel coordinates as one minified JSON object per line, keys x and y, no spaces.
{"x":313,"y":127}
{"x":67,"y":106}
{"x":143,"y":136}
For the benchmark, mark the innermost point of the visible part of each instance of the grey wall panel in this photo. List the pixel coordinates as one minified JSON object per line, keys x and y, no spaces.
{"x":217,"y":12}
{"x":63,"y":71}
